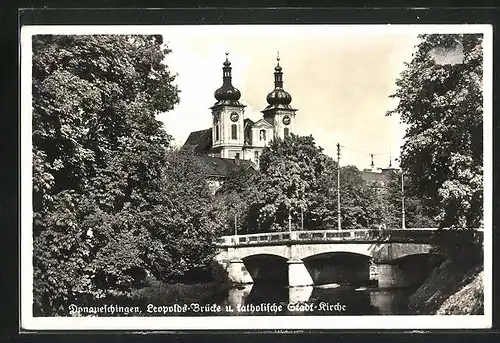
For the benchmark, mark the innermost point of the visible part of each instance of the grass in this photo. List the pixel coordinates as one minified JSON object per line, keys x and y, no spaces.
{"x":160,"y":293}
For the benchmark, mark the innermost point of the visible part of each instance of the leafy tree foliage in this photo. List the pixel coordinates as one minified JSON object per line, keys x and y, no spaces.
{"x":184,"y":217}
{"x":360,"y":203}
{"x":440,"y":101}
{"x":290,"y":169}
{"x":296,"y":178}
{"x":110,"y":204}
{"x":238,"y":198}
{"x":415,"y":212}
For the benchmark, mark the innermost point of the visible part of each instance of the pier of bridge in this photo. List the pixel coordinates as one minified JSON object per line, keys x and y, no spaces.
{"x":393,"y":258}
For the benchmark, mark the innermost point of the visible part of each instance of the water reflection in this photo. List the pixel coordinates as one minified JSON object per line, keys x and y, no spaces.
{"x":238,"y":295}
{"x":299,"y":294}
{"x":311,"y":300}
{"x":390,"y":301}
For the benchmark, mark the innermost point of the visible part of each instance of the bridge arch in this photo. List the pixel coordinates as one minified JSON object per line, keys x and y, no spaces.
{"x":335,"y":255}
{"x":423,"y":259}
{"x":307,"y":251}
{"x":273,"y":250}
{"x":339,"y":267}
{"x":407,"y":270}
{"x":267,"y":268}
{"x":387,"y":252}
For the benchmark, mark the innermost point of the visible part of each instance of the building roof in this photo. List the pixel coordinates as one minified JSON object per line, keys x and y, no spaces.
{"x":263,"y":122}
{"x":221,"y":167}
{"x":370,"y":176}
{"x":201,"y":140}
{"x":380,"y":176}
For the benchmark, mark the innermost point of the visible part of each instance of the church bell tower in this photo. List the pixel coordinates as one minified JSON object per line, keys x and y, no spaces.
{"x":228,"y":118}
{"x":279,"y":112}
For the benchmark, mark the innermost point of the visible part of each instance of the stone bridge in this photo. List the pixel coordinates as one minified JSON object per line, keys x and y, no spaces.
{"x":391,"y":258}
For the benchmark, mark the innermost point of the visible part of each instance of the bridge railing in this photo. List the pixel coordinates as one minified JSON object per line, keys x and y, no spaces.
{"x":297,"y":236}
{"x":406,"y":235}
{"x":371,"y":235}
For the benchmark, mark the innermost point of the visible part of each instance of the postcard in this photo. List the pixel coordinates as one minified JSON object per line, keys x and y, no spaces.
{"x":256,"y":177}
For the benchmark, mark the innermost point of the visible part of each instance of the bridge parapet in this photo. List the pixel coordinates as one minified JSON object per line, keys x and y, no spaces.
{"x":409,"y":235}
{"x":317,"y":236}
{"x":293,"y":236}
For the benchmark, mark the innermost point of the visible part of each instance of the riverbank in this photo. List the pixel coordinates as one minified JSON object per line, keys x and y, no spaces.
{"x":455,"y":287}
{"x":208,"y":287}
{"x":161,"y":294}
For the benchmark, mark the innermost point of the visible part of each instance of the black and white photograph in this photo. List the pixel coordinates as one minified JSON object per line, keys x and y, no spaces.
{"x":256,"y":177}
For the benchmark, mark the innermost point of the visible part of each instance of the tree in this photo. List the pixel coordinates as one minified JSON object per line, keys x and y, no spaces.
{"x":184,"y":217}
{"x":238,"y":197}
{"x":98,"y":152}
{"x":296,"y":178}
{"x":415,"y":213}
{"x":361,"y":204}
{"x":290,"y":169}
{"x":440,"y":101}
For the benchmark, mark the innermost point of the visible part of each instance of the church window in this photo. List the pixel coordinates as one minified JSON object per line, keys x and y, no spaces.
{"x":256,"y":157}
{"x":286,"y":131}
{"x":217,"y":132}
{"x":262,"y":135}
{"x":234,"y":131}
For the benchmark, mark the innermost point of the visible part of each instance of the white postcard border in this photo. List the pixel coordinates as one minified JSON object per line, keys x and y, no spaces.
{"x":28,"y":322}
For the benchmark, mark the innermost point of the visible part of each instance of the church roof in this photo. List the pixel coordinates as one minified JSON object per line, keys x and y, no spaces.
{"x":248,"y":122}
{"x":201,"y":140}
{"x":227,"y":94}
{"x":278,"y":98}
{"x":220,"y":167}
{"x":269,"y":120}
{"x":263,"y":122}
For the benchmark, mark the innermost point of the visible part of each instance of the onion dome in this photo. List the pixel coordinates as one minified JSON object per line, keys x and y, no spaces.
{"x":278,"y":98}
{"x":227,"y":94}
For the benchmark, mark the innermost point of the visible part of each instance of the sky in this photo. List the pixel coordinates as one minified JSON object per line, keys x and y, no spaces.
{"x":340,"y":79}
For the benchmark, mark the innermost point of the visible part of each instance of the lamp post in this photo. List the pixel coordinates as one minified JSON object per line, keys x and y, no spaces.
{"x":339,"y":226}
{"x":235,"y":225}
{"x":403,"y":225}
{"x":302,"y":219}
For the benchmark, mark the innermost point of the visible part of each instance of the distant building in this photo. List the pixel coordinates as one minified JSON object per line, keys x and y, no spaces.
{"x":218,"y":169}
{"x":232,"y":136}
{"x":378,"y":177}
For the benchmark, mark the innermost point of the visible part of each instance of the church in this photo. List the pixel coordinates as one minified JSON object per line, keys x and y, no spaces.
{"x":232,"y":136}
{"x":234,"y":139}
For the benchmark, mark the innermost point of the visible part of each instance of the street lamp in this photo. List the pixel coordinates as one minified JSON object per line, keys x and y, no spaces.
{"x":302,"y":218}
{"x":339,"y":225}
{"x":235,"y":225}
{"x":403,"y":225}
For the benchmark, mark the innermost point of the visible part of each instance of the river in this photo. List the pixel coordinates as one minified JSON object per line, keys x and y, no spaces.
{"x":268,"y":299}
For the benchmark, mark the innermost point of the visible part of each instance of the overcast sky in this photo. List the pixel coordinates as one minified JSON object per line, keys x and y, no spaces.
{"x":340,"y":79}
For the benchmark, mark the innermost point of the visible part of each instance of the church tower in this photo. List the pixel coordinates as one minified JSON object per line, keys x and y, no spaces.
{"x":228,"y":118}
{"x":279,"y":113}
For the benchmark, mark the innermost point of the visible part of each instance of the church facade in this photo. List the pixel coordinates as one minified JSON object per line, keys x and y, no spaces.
{"x":234,"y":139}
{"x":232,"y":136}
